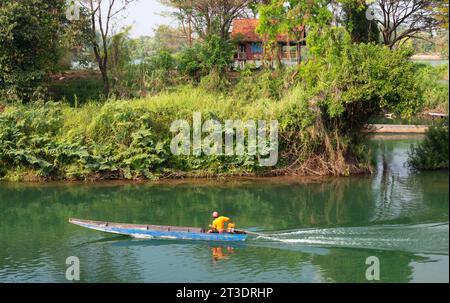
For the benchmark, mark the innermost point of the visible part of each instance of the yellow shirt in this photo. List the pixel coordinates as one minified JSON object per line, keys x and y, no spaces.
{"x":219,"y":222}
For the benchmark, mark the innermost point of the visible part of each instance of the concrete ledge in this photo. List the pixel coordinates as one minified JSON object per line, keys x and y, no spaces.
{"x":398,"y":129}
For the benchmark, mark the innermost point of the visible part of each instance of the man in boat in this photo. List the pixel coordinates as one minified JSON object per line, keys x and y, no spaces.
{"x":218,"y":224}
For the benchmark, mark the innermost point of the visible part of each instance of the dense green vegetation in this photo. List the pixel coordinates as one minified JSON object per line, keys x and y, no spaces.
{"x":433,"y":81}
{"x":115,"y":122}
{"x":320,"y":125}
{"x":29,"y":37}
{"x":432,"y":153}
{"x":84,"y":87}
{"x":118,"y":139}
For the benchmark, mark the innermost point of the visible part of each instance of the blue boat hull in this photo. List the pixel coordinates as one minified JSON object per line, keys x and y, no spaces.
{"x":146,"y":232}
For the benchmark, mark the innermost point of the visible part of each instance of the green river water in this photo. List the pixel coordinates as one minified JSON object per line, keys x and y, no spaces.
{"x":321,"y":230}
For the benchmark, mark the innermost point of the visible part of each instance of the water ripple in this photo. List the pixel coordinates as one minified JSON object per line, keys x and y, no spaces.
{"x":424,"y":238}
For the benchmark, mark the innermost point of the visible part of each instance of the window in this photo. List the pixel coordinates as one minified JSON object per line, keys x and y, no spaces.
{"x":257,"y":48}
{"x":291,"y":48}
{"x":242,"y":48}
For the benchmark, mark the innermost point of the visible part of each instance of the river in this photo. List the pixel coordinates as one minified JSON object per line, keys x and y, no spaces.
{"x":318,"y":230}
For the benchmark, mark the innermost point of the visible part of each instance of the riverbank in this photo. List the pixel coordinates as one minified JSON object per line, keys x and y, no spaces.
{"x":201,"y":177}
{"x":133,"y":139}
{"x":179,"y":177}
{"x":130,"y":140}
{"x":59,"y":143}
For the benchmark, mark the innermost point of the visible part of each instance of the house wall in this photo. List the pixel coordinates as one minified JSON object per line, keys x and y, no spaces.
{"x":247,"y":56}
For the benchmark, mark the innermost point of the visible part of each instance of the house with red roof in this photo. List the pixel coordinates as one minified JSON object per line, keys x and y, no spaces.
{"x":250,"y":45}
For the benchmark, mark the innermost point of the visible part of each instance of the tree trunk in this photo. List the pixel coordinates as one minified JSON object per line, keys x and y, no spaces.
{"x":190,"y":31}
{"x":103,"y":69}
{"x":105,"y":79}
{"x":279,"y":50}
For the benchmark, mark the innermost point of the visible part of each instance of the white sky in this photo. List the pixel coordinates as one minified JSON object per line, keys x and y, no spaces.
{"x":145,"y":16}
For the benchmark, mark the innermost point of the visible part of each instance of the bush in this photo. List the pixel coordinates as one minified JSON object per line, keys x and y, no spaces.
{"x":35,"y":139}
{"x":78,"y":88}
{"x":432,"y":152}
{"x":159,"y":69}
{"x":214,"y":55}
{"x":189,"y":62}
{"x":214,"y":81}
{"x":433,"y":81}
{"x":137,"y":79}
{"x":266,"y":83}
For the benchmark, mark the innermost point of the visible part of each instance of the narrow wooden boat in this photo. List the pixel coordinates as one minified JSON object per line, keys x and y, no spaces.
{"x":159,"y":231}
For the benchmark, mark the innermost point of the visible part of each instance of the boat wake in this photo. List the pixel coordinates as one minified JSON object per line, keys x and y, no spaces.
{"x":421,"y":238}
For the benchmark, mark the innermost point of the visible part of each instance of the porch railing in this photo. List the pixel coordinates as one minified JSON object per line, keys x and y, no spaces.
{"x":291,"y":54}
{"x":241,"y":55}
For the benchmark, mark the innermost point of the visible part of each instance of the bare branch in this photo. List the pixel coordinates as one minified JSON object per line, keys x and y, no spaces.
{"x":101,"y":23}
{"x":403,"y":19}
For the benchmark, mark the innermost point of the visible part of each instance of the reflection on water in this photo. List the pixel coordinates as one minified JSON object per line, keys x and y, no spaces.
{"x":219,"y":254}
{"x":321,"y":230}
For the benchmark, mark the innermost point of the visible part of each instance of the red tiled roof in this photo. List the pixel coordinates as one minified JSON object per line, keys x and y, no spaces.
{"x":245,"y":30}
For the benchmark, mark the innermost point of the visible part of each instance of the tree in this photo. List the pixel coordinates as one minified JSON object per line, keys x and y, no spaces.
{"x":441,"y":14}
{"x":142,"y":47}
{"x":30,"y":32}
{"x":344,"y":82}
{"x":292,"y":17}
{"x":168,"y":38}
{"x":119,"y":51}
{"x":355,"y":20}
{"x":101,"y":14}
{"x":208,"y":17}
{"x":401,"y":20}
{"x":273,"y":21}
{"x":255,"y":4}
{"x":77,"y":39}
